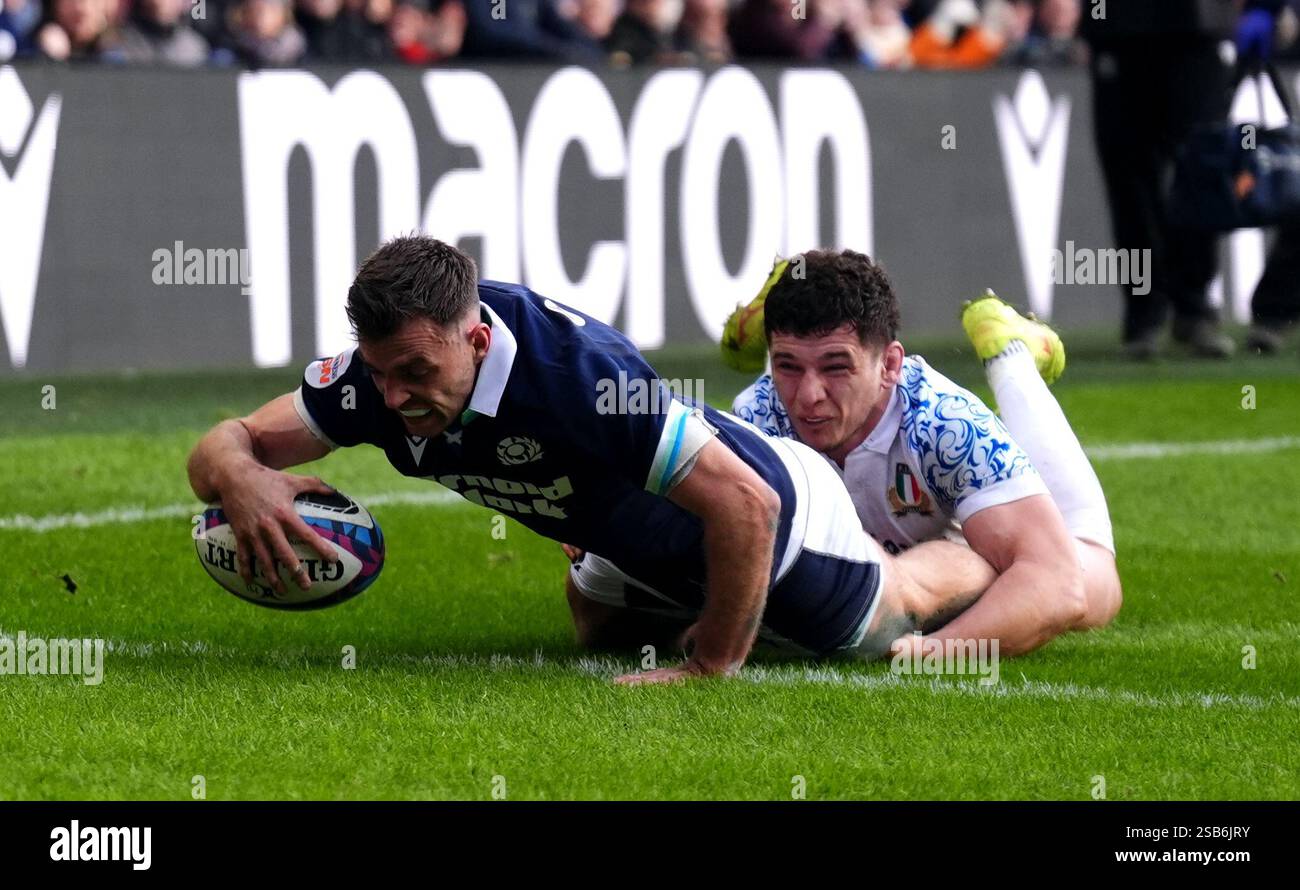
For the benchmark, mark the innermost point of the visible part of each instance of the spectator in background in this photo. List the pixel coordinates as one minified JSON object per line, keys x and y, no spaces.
{"x":263,"y":34}
{"x":347,"y":31}
{"x":851,"y":37}
{"x":211,"y":20}
{"x":1023,"y":42}
{"x":1051,"y":38}
{"x":771,"y":29}
{"x":411,"y":32}
{"x":962,"y":34}
{"x":18,"y":21}
{"x":422,"y":35}
{"x":526,"y":30}
{"x":645,"y":33}
{"x":885,"y":41}
{"x":851,"y":23}
{"x":1058,"y":22}
{"x":159,"y":32}
{"x":79,"y":31}
{"x":596,"y":17}
{"x":702,"y":34}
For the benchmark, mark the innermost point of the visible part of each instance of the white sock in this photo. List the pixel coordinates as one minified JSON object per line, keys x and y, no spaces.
{"x":1038,"y":425}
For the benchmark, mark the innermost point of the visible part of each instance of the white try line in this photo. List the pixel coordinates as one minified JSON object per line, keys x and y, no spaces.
{"x":1038,"y":689}
{"x":121,"y":515}
{"x":759,"y":673}
{"x":130,"y":514}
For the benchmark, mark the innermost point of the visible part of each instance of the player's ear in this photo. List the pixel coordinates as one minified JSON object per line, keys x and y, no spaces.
{"x":480,"y":338}
{"x":892,"y":361}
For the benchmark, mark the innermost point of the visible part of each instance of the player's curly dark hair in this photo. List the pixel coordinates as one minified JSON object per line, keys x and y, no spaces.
{"x":822,"y":290}
{"x":411,"y":276}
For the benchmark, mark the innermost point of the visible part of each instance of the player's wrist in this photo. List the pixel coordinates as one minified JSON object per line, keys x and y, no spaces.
{"x":231,"y":468}
{"x":714,"y":667}
{"x":717,"y":651}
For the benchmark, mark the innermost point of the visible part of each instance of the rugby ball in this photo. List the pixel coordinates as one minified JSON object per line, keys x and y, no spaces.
{"x":353,"y":534}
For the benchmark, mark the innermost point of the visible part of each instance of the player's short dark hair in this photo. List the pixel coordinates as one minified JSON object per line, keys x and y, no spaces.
{"x":828,"y":290}
{"x":412,"y":276}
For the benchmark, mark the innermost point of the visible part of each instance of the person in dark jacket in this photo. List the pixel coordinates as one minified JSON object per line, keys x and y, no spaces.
{"x":351,"y":31}
{"x":159,"y":33}
{"x":1159,"y":69}
{"x":767,"y":29}
{"x":644,"y":33}
{"x":1275,"y":306}
{"x":18,"y":22}
{"x":1157,"y":72}
{"x":526,"y":30}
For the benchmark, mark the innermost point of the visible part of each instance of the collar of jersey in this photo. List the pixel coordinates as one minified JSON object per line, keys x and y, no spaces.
{"x":495,"y":370}
{"x":881,"y":438}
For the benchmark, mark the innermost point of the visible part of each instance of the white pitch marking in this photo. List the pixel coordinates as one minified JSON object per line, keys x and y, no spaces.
{"x":1116,"y":451}
{"x":608,"y":667}
{"x":120,"y":515}
{"x":1144,"y":450}
{"x":1040,"y":689}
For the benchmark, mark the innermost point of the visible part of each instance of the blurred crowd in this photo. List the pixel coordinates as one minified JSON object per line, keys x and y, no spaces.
{"x":261,"y":33}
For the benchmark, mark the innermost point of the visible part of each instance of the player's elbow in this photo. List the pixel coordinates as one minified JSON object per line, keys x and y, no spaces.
{"x":760,"y":503}
{"x":198,"y":485}
{"x":197,"y":469}
{"x":745,"y":513}
{"x":206,"y":458}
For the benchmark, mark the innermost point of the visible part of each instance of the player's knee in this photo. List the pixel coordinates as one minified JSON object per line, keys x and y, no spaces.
{"x":599,"y":627}
{"x":586,"y":620}
{"x":1102,"y":587}
{"x":1105,"y":597}
{"x":595,"y":635}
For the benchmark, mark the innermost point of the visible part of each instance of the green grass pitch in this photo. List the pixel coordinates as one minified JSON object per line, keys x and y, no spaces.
{"x":466,"y":669}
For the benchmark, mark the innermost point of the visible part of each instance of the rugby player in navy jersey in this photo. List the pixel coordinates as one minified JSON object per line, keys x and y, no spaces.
{"x":494,"y":392}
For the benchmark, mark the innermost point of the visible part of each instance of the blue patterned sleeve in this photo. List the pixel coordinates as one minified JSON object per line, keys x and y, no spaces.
{"x":965,"y":454}
{"x":761,"y":406}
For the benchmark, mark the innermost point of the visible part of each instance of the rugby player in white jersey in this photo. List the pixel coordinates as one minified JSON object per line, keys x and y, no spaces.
{"x":923,"y":458}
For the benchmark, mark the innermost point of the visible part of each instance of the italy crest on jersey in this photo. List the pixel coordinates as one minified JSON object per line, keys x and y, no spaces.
{"x":907,"y":495}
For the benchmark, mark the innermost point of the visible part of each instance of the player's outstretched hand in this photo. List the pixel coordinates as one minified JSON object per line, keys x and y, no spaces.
{"x":259,"y":505}
{"x":663,"y":675}
{"x":697,"y":664}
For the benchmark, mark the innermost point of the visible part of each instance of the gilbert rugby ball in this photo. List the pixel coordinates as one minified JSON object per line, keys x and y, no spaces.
{"x":353,"y":534}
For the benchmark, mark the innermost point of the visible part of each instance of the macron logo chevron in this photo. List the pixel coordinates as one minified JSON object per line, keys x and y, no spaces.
{"x":1033,"y":132}
{"x":24,"y":195}
{"x":416,"y":444}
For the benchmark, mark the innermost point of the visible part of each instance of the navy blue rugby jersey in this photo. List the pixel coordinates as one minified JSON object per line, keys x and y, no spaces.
{"x":538,"y":442}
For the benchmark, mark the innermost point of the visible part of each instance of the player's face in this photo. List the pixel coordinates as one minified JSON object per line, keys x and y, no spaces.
{"x":834,"y":388}
{"x":426,"y":371}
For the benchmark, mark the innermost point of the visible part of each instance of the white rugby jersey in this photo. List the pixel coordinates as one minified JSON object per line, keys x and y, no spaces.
{"x":937,"y":457}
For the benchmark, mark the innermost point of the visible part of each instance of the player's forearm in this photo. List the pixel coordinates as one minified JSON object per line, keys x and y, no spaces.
{"x":738,"y":547}
{"x":225,"y":449}
{"x":1028,"y":605}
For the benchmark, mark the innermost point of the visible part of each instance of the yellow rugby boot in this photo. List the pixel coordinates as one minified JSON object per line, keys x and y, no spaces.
{"x":991,"y":324}
{"x":744,"y":344}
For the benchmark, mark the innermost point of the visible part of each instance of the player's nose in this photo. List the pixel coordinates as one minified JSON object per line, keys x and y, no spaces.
{"x":810,"y":390}
{"x":395,"y":396}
